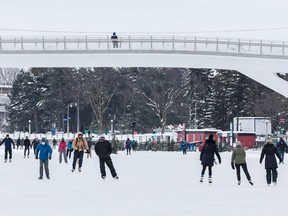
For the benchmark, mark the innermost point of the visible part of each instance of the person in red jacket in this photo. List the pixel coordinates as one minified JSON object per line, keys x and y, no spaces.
{"x":62,"y":151}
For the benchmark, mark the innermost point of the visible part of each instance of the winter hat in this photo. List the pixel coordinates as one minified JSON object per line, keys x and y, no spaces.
{"x":211,"y":136}
{"x":43,"y":139}
{"x":238,"y":143}
{"x":268,"y":140}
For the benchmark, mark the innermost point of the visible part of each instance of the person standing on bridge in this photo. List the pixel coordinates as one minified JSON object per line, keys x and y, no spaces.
{"x":114,"y":39}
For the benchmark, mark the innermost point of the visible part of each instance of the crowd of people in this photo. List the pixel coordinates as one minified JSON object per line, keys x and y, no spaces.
{"x":79,"y":145}
{"x":103,"y":148}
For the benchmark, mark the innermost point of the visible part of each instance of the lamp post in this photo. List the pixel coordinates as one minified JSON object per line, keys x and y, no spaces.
{"x":29,"y":128}
{"x":68,"y":117}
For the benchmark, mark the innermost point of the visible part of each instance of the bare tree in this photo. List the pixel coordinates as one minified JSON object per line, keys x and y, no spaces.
{"x":101,"y":87}
{"x":160,"y":89}
{"x":8,"y":75}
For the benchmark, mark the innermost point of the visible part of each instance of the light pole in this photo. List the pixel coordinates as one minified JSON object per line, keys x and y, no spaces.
{"x":266,"y":129}
{"x":68,"y":117}
{"x":29,"y":128}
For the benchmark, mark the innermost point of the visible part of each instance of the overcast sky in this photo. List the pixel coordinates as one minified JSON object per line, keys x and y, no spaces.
{"x":198,"y":17}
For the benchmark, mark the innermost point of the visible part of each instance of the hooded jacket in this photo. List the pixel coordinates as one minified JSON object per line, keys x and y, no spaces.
{"x":45,"y":151}
{"x":269,"y":150}
{"x":103,"y":149}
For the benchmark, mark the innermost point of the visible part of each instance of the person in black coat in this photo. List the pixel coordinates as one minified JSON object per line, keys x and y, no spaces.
{"x":27,"y":145}
{"x":8,"y":147}
{"x":269,"y":150}
{"x":207,"y":157}
{"x":103,"y":149}
{"x":114,"y":39}
{"x":282,"y":147}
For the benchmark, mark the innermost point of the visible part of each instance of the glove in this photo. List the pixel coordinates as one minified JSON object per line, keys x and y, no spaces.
{"x":13,"y":147}
{"x":36,"y":157}
{"x":50,"y":157}
{"x":232,"y":165}
{"x":87,"y":151}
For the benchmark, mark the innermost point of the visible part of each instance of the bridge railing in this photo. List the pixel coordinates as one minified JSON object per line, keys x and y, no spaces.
{"x":143,"y":43}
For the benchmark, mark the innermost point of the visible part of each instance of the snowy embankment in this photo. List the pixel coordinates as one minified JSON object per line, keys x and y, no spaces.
{"x":151,"y":183}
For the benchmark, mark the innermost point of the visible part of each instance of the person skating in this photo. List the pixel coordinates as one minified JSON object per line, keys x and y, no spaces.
{"x":207,"y":157}
{"x":69,"y":149}
{"x":128,"y":146}
{"x":8,"y":147}
{"x":79,"y":145}
{"x":62,"y":151}
{"x":239,"y":159}
{"x":281,"y":147}
{"x":18,"y":142}
{"x":103,"y":149}
{"x":27,"y":145}
{"x":44,"y":151}
{"x":269,"y":151}
{"x":54,"y":143}
{"x":35,"y":143}
{"x":183,"y":147}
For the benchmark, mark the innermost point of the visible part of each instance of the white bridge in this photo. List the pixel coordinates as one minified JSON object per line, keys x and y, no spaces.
{"x":257,"y":59}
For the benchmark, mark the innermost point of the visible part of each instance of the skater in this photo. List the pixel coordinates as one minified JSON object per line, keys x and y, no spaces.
{"x":69,"y":149}
{"x":282,"y":148}
{"x":239,"y":159}
{"x":103,"y":149}
{"x":35,"y":142}
{"x":269,"y":150}
{"x":90,"y":143}
{"x":45,"y":153}
{"x":22,"y":143}
{"x":8,"y":147}
{"x":18,"y":142}
{"x":207,"y":157}
{"x":79,"y":145}
{"x":62,"y":151}
{"x":27,"y":145}
{"x":114,"y":39}
{"x":183,"y":147}
{"x":128,"y":146}
{"x":54,"y":143}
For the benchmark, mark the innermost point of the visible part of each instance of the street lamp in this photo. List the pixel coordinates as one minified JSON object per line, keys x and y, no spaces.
{"x":267,"y":121}
{"x":68,"y":117}
{"x":29,"y":128}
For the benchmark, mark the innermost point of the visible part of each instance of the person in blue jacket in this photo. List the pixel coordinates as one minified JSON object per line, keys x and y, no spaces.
{"x":45,"y":153}
{"x":8,"y":147}
{"x":183,"y":147}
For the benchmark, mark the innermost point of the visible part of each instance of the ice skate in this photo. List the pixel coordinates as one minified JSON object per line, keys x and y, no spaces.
{"x":79,"y":169}
{"x":201,"y":179}
{"x":73,"y":170}
{"x":103,"y":177}
{"x":251,"y":183}
{"x":116,"y":177}
{"x":239,"y":182}
{"x":5,"y":161}
{"x":210,"y":180}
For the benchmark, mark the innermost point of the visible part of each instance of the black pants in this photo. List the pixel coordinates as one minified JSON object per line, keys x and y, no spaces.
{"x":274,"y":175}
{"x":26,"y":149}
{"x":128,"y":151}
{"x":244,"y":167}
{"x":209,"y":170}
{"x":184,"y":151}
{"x":78,"y":154}
{"x":45,"y":164}
{"x":8,"y":150}
{"x":69,"y":151}
{"x":109,"y":163}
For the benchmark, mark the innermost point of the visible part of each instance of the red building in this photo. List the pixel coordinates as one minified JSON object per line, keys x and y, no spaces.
{"x":247,"y":139}
{"x":196,"y":136}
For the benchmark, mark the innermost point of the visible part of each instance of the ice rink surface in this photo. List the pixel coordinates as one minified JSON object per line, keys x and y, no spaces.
{"x":150,"y":183}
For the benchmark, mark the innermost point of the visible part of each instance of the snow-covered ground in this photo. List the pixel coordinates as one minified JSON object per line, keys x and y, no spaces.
{"x":151,"y":183}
